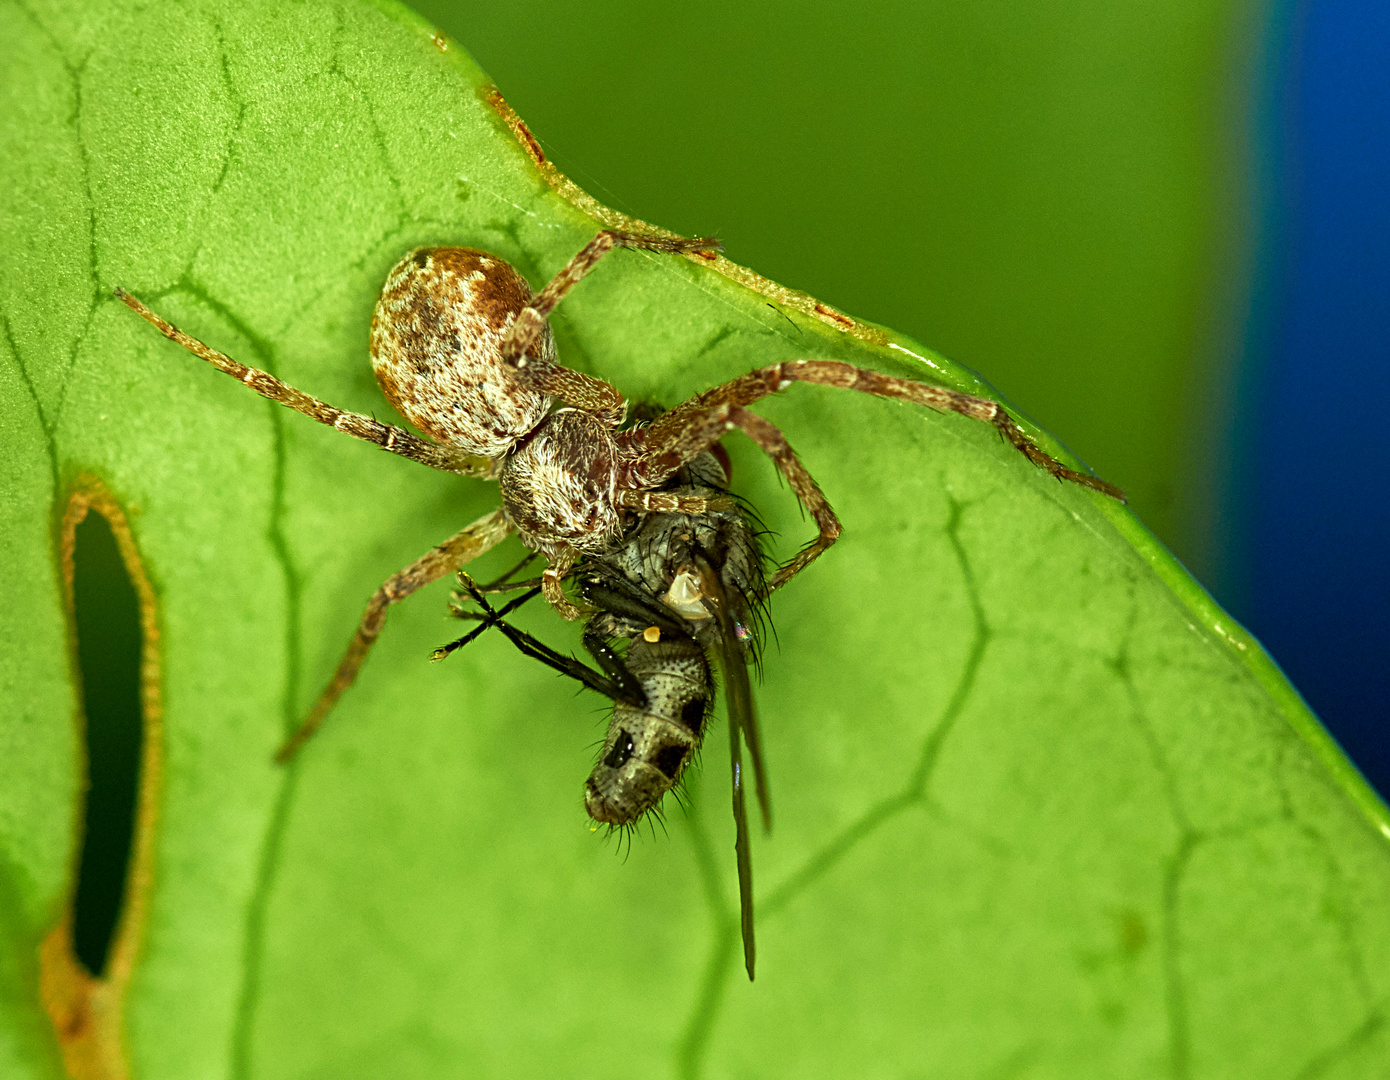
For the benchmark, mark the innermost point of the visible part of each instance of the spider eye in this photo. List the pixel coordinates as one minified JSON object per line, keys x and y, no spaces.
{"x":668,"y":760}
{"x":693,"y":715}
{"x":621,"y":752}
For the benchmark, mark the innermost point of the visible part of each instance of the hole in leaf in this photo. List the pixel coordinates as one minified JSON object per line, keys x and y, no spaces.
{"x":107,"y":618}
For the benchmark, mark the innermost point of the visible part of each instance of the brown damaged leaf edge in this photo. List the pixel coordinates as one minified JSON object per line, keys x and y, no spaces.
{"x":87,"y":1012}
{"x":570,"y":191}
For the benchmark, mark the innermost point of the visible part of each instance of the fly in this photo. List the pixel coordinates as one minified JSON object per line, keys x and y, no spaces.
{"x":681,"y":587}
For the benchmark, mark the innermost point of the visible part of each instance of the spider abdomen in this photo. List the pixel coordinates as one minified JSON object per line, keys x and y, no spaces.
{"x":436,"y":349}
{"x":558,"y":486}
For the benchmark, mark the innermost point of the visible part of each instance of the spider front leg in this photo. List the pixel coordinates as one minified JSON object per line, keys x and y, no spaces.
{"x":467,"y":544}
{"x":749,"y":388}
{"x":655,"y":453}
{"x":570,"y":386}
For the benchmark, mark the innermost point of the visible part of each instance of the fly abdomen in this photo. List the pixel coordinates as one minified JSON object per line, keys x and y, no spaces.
{"x":647,"y":749}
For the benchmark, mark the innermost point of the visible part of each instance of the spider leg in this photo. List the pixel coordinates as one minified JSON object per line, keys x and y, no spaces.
{"x":470,"y":542}
{"x":663,"y":502}
{"x":573,"y":387}
{"x":747,"y":389}
{"x":654,"y":454}
{"x":579,"y":266}
{"x":394,"y":439}
{"x":803,"y":484}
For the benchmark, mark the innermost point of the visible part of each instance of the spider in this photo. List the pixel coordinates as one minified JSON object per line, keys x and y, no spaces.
{"x":462,"y":348}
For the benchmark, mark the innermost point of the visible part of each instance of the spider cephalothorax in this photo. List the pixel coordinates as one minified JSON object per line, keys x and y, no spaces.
{"x":559,"y":487}
{"x":462,"y":348}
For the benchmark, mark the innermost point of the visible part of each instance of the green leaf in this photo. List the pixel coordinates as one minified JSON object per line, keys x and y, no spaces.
{"x":1043,"y":809}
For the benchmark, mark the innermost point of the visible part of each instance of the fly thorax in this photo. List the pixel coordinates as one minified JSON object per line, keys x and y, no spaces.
{"x":557,"y":488}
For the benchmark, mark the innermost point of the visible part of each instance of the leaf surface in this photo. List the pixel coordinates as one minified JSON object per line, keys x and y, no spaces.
{"x":1043,"y":809}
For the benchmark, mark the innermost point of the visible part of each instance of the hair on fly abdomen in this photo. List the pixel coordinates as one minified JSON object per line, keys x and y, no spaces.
{"x":653,"y":816}
{"x":650,"y":740}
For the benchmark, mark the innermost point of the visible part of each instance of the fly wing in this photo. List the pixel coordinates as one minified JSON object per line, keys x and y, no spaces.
{"x":739,"y":692}
{"x":743,"y":724}
{"x":742,"y":853}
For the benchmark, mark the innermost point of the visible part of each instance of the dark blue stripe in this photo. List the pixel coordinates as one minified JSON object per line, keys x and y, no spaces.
{"x":1319,"y":533}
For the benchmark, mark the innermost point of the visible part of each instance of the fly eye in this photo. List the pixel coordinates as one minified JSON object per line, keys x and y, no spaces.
{"x":693,"y":715}
{"x":621,"y":752}
{"x":668,"y":760}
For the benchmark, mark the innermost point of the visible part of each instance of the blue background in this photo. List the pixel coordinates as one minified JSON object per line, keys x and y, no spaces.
{"x":1308,"y":571}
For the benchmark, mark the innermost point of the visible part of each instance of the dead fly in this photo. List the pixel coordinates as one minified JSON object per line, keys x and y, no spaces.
{"x":680,"y":586}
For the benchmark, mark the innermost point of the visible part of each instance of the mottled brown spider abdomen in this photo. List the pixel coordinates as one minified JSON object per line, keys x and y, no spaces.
{"x":436,"y":349}
{"x":558,"y":488}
